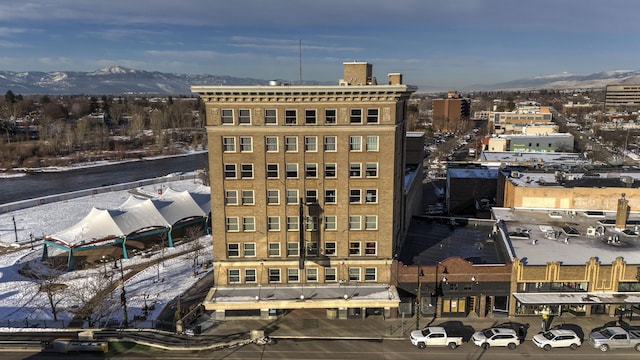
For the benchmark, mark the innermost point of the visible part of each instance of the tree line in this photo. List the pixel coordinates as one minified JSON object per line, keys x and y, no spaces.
{"x":40,"y":131}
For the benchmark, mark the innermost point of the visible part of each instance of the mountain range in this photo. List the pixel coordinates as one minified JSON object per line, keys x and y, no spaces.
{"x":116,"y":80}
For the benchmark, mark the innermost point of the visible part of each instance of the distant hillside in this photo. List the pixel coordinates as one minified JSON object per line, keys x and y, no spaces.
{"x":568,"y":81}
{"x":117,"y":80}
{"x":111,"y":80}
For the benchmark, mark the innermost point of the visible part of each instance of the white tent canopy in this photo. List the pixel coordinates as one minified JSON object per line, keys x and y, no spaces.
{"x":134,"y":216}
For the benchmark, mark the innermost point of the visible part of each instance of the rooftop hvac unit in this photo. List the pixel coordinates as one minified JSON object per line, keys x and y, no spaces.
{"x":515,"y":174}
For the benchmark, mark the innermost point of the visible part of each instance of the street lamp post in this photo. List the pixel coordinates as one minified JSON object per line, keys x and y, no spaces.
{"x":123,"y":294}
{"x":438,"y":284}
{"x":418,"y":297}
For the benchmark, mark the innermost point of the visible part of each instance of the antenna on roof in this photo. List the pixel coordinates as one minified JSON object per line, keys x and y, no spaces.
{"x":300,"y":52}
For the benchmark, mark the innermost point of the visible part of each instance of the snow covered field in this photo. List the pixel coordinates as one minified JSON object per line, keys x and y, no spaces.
{"x":23,"y":305}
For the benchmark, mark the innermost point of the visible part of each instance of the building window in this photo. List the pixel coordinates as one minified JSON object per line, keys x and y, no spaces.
{"x":311,"y":223}
{"x":234,"y":276}
{"x":271,"y":117}
{"x":355,"y":116}
{"x":273,"y":223}
{"x":233,"y":224}
{"x":371,"y":222}
{"x":250,"y":275}
{"x":274,"y":275}
{"x":371,"y":170}
{"x":311,"y":143}
{"x":233,"y":250}
{"x":354,"y":274}
{"x":330,"y":275}
{"x":291,"y":143}
{"x":290,"y":117}
{"x":330,"y":144}
{"x":293,"y":249}
{"x":311,"y":170}
{"x":330,"y":170}
{"x":330,"y":248}
{"x":370,"y":248}
{"x":246,"y":144}
{"x":231,"y":197}
{"x":229,"y":171}
{"x":311,"y":196}
{"x":330,"y":116}
{"x":354,"y":222}
{"x":249,"y":224}
{"x":330,"y":223}
{"x":354,"y":248}
{"x":355,"y":143}
{"x":247,"y":197}
{"x":330,"y":196}
{"x":310,"y":117}
{"x":274,"y":247}
{"x":292,"y":196}
{"x":228,"y":144}
{"x":293,"y":275}
{"x":370,"y":274}
{"x":227,"y":116}
{"x":372,"y":143}
{"x":244,"y":117}
{"x":291,"y":170}
{"x":249,"y":249}
{"x":273,"y":197}
{"x":371,"y":196}
{"x":246,"y":171}
{"x":372,"y":116}
{"x":354,"y":196}
{"x":292,"y":223}
{"x":271,"y":144}
{"x":272,"y":171}
{"x":312,"y":248}
{"x":312,"y":274}
{"x":355,"y":170}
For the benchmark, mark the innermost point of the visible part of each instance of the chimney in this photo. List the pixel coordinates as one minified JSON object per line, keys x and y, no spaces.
{"x":621,"y":213}
{"x":395,"y":78}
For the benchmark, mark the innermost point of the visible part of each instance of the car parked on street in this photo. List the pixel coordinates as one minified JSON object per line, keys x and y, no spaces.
{"x":496,"y":337}
{"x":434,"y":336}
{"x":557,"y":338}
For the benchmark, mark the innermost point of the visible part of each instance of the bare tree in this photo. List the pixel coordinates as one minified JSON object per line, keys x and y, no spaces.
{"x":46,"y":274}
{"x":95,"y":296}
{"x":192,"y":234}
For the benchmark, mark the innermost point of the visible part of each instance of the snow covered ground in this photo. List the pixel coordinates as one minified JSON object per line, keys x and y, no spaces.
{"x":23,"y":305}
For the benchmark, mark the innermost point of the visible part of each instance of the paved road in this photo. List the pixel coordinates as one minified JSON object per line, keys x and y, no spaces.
{"x":353,"y":349}
{"x":43,"y":184}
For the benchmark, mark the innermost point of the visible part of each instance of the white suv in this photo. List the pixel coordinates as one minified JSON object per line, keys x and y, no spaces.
{"x":496,"y":337}
{"x":557,"y":338}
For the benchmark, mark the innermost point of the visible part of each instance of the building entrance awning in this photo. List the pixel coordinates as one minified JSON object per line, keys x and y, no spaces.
{"x":578,"y":298}
{"x":301,"y":297}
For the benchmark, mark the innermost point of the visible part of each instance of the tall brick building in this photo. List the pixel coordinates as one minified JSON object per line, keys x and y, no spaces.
{"x":450,"y":113}
{"x":307,"y":197}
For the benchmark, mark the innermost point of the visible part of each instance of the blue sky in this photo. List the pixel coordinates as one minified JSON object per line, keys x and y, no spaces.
{"x":434,"y":44}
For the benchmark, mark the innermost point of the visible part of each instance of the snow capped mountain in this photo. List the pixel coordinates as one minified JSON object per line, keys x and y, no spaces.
{"x":115,"y":80}
{"x":111,"y":80}
{"x":568,"y":81}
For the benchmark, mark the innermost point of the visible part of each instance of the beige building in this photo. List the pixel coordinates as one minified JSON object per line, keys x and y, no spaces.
{"x":449,"y":114}
{"x":307,"y":194}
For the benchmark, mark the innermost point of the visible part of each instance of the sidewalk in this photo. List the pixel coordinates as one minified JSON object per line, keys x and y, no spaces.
{"x":314,"y":324}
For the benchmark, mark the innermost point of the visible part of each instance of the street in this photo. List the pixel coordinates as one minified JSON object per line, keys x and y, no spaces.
{"x":347,"y":349}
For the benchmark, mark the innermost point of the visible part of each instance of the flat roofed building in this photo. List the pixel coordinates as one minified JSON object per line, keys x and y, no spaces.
{"x":450,"y":113}
{"x":566,"y":261}
{"x":621,"y":96}
{"x":308,"y":203}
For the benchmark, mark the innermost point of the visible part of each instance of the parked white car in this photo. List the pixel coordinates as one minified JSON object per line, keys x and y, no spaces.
{"x":557,"y":338}
{"x":496,"y":337}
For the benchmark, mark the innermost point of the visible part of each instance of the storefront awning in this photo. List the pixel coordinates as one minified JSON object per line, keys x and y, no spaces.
{"x":301,"y":297}
{"x":558,"y":298}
